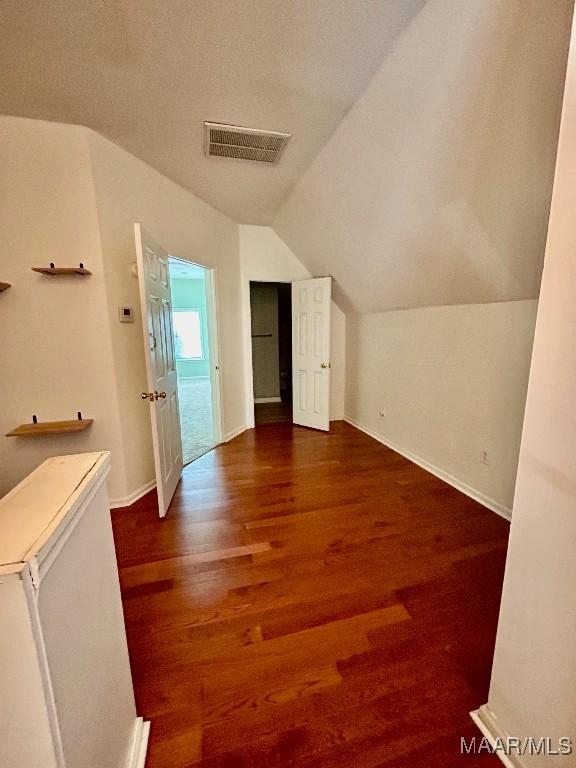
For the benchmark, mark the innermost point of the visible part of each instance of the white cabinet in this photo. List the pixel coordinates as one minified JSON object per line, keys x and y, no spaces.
{"x":66,"y":690}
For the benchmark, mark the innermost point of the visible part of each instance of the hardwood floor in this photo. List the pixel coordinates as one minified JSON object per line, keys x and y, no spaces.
{"x":272,"y":413}
{"x":311,"y":599}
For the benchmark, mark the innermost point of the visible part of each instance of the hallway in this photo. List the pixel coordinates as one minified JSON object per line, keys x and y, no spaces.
{"x":311,"y":599}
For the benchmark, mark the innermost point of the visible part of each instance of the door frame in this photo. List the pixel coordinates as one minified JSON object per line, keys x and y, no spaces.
{"x":212,"y":317}
{"x":214,"y":351}
{"x":249,"y":372}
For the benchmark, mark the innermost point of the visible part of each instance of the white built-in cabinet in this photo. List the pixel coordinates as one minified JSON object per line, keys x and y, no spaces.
{"x":67,"y":699}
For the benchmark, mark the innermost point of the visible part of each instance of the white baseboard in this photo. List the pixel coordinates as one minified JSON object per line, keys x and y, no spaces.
{"x":231,"y":435}
{"x":491,"y":504}
{"x":126,"y":501}
{"x":267,"y":400}
{"x":137,"y":754}
{"x":488,"y":724}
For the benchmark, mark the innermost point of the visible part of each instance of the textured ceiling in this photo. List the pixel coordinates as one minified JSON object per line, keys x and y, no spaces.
{"x":147,"y":73}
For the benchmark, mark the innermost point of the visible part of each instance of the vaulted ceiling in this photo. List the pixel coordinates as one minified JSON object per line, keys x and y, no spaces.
{"x":424,"y":131}
{"x":147,"y":73}
{"x":436,"y":187}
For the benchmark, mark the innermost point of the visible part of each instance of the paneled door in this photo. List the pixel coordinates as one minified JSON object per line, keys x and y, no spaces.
{"x":162,"y":393}
{"x":311,"y":352}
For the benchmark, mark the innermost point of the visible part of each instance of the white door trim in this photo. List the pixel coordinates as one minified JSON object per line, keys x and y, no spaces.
{"x":214,"y":347}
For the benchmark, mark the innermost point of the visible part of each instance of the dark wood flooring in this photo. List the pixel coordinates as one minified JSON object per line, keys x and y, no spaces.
{"x":311,"y":599}
{"x":272,"y":413}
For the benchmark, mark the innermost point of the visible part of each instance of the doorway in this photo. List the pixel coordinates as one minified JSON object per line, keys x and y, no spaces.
{"x":191,"y":288}
{"x":271,"y":324}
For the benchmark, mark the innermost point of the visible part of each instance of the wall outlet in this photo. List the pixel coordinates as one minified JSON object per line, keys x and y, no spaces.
{"x":485,"y":458}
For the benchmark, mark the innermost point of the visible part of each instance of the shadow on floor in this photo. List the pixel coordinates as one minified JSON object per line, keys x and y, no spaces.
{"x":272,"y":413}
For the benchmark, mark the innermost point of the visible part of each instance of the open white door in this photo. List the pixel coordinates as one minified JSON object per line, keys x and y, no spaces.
{"x":311,"y":352}
{"x":162,"y":394}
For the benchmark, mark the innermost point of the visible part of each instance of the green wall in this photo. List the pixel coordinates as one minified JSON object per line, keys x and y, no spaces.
{"x":191,"y":294}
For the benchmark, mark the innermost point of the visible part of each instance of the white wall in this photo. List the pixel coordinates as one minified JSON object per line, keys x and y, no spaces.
{"x":265,"y":257}
{"x":55,"y":355}
{"x":434,"y":192}
{"x":533,"y":689}
{"x":452,"y":383}
{"x":435,"y":187}
{"x":68,"y":195}
{"x":127,"y":190}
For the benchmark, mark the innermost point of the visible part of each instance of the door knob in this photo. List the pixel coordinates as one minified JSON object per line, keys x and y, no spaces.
{"x":159,"y":395}
{"x":147,"y":396}
{"x":324,"y":365}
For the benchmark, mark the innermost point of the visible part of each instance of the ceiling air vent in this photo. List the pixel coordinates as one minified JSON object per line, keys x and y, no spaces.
{"x":244,"y":143}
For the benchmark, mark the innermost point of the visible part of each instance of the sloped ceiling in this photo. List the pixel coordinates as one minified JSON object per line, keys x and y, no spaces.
{"x":424,"y":131}
{"x":435,"y":188}
{"x":147,"y":73}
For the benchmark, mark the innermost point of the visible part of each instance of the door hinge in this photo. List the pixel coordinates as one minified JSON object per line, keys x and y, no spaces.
{"x":34,"y":574}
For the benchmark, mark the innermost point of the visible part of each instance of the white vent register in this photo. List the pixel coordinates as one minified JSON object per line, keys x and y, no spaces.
{"x":237,"y":143}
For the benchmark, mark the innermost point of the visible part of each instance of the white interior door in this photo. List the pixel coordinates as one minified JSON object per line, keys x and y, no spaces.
{"x":162,"y":393}
{"x":311,"y":352}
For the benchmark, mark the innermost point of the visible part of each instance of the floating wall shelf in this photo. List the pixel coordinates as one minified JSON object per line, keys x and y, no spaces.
{"x":38,"y":429}
{"x":4,"y":286}
{"x":53,"y":270}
